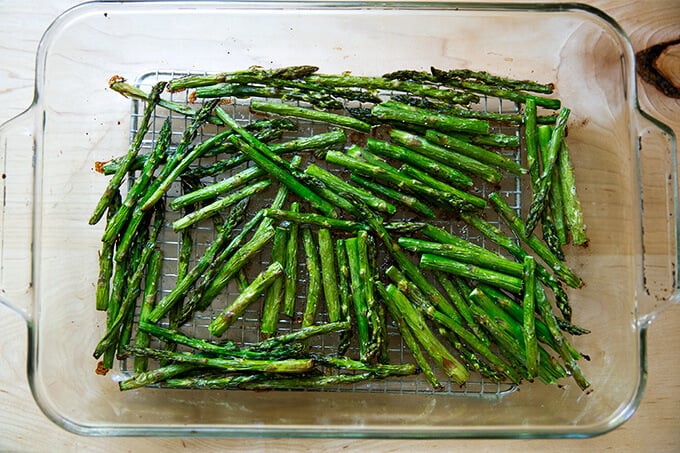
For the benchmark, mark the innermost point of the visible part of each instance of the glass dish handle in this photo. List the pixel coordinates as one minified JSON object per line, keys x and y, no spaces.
{"x":657,"y":151}
{"x":16,"y":167}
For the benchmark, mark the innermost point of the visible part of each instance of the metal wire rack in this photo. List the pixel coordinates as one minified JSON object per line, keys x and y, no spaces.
{"x":246,"y":331}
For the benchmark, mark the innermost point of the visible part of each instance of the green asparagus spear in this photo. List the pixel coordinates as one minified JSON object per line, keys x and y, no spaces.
{"x":503,"y":93}
{"x":229,"y":365}
{"x":118,"y":289}
{"x":555,"y":199}
{"x":239,"y":305}
{"x":340,"y":186}
{"x":314,"y":115}
{"x":347,"y":364}
{"x":481,"y":76}
{"x":464,"y":252}
{"x":472,"y":201}
{"x":404,"y":226}
{"x":358,"y":292}
{"x":411,"y":343}
{"x":441,"y":107}
{"x":251,"y":75}
{"x":433,"y":167}
{"x":553,"y":227}
{"x":211,"y":382}
{"x":525,"y":85}
{"x":504,"y":281}
{"x":377,"y":335}
{"x":495,"y":235}
{"x":489,"y":140}
{"x":540,"y":197}
{"x":234,"y":264}
{"x":274,"y":295}
{"x":329,"y":274}
{"x":291,"y":268}
{"x":219,"y":188}
{"x":243,"y":91}
{"x":380,"y":83}
{"x":314,"y":278}
{"x":391,"y":110}
{"x":226,"y":350}
{"x":572,"y":204}
{"x":186,"y":247}
{"x":561,"y":269}
{"x":116,"y":180}
{"x":392,"y":177}
{"x":304,"y":218}
{"x":106,"y":263}
{"x":446,"y":156}
{"x":528,"y":326}
{"x":319,"y":141}
{"x":150,"y":293}
{"x":550,"y":320}
{"x":568,"y":327}
{"x":266,"y":382}
{"x":125,"y":334}
{"x":155,"y":376}
{"x":213,"y":208}
{"x":140,"y":185}
{"x":344,"y":292}
{"x":398,"y":302}
{"x":300,"y":335}
{"x":118,"y":84}
{"x":532,"y":142}
{"x":283,"y":176}
{"x":407,"y":200}
{"x":475,"y":152}
{"x":458,"y":292}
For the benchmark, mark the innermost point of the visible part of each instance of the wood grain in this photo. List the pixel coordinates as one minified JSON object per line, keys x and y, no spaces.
{"x":23,"y":427}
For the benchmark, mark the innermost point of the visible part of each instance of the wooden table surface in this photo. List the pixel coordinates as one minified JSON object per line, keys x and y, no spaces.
{"x":654,"y":427}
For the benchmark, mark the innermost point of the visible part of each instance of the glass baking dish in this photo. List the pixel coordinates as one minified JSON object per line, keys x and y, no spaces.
{"x":625,"y":165}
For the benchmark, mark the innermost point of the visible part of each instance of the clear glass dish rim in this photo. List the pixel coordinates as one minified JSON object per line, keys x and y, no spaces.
{"x":564,"y":431}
